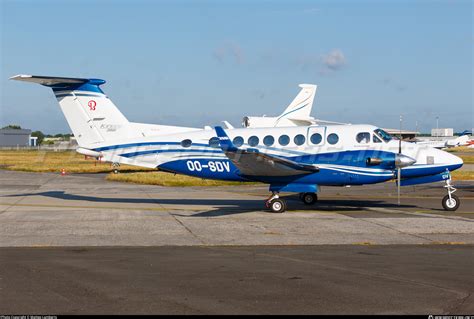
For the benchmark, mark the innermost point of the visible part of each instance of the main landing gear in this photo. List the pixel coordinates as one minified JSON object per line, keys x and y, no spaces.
{"x":309,"y":198}
{"x":278,"y":205}
{"x":450,"y":202}
{"x":275,"y":203}
{"x":115,"y":167}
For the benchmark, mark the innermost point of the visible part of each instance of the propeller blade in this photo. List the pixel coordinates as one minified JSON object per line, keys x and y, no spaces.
{"x":400,"y":137}
{"x":398,"y":184}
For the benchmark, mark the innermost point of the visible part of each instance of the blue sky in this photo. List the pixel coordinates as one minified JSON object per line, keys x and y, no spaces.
{"x":196,"y":63}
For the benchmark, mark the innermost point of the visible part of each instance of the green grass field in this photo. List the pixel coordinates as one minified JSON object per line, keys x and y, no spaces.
{"x":72,"y":162}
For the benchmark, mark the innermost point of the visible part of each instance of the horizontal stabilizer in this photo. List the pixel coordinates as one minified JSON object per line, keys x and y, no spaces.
{"x":53,"y":81}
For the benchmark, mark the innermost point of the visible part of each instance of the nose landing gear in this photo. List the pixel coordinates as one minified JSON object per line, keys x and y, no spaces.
{"x":450,"y":202}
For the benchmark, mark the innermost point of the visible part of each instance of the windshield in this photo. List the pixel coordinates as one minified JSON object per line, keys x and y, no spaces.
{"x":384,"y":135}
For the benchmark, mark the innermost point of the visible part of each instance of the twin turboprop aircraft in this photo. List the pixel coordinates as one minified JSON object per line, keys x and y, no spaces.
{"x":296,"y":159}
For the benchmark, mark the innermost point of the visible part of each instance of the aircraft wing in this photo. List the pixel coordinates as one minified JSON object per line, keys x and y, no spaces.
{"x":251,"y":162}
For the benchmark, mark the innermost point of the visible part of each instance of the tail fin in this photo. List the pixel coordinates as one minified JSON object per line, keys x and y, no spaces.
{"x":92,"y":116}
{"x":300,"y":108}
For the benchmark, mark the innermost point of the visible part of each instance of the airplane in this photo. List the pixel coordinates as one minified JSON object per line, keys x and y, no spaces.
{"x":297,"y":159}
{"x":462,"y":140}
{"x":296,"y":114}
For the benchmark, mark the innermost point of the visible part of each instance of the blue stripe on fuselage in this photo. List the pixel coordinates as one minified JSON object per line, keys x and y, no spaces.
{"x":353,"y":162}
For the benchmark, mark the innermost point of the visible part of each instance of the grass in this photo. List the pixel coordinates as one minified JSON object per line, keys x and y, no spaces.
{"x":462,"y":175}
{"x":460,"y":149}
{"x":50,"y":161}
{"x":468,"y":159}
{"x":72,"y":162}
{"x":166,"y":179}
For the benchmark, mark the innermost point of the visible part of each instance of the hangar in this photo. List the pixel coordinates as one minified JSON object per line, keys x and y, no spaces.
{"x":16,"y":138}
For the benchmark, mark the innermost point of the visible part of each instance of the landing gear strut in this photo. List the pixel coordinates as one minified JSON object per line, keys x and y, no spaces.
{"x":450,"y":202}
{"x":275,"y":203}
{"x":115,"y":168}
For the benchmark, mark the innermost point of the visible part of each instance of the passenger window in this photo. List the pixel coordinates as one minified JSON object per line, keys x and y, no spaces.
{"x":375,"y":139}
{"x":333,"y":138}
{"x":268,"y":140}
{"x":284,"y":140}
{"x":299,"y":139}
{"x":214,"y":142}
{"x":186,"y":143}
{"x":363,"y":137}
{"x":253,"y":140}
{"x":316,"y":138}
{"x":238,"y":141}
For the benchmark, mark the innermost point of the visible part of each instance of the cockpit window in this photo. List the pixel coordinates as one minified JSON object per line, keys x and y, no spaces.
{"x":375,"y":139}
{"x":384,"y":135}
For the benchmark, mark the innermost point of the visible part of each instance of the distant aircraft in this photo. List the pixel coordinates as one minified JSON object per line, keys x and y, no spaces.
{"x":296,"y":159}
{"x":296,"y":114}
{"x":440,"y":144}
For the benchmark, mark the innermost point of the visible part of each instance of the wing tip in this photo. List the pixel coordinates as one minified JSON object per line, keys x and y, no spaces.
{"x":18,"y":77}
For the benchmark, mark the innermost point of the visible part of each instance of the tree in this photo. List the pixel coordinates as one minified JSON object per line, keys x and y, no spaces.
{"x":13,"y":126}
{"x":39,"y":135}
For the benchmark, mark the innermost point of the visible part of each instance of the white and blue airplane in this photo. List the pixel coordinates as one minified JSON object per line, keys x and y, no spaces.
{"x":297,"y":159}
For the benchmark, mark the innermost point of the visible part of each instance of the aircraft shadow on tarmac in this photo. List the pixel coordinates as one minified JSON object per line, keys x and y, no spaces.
{"x":222,"y":207}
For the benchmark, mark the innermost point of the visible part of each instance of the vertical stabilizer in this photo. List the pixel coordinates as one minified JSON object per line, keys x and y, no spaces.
{"x":92,"y":116}
{"x":300,"y":108}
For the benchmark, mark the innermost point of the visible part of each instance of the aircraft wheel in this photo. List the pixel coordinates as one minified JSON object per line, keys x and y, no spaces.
{"x":278,"y":205}
{"x":309,"y":198}
{"x":451,"y":204}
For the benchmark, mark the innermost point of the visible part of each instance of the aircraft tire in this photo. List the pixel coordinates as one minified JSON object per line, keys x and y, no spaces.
{"x":451,"y":205}
{"x":278,"y":205}
{"x":309,"y":198}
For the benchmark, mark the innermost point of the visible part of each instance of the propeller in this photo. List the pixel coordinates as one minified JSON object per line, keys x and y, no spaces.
{"x":399,"y":170}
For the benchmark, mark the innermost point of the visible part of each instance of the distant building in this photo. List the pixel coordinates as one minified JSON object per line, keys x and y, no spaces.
{"x":442,"y":132}
{"x":406,"y":135}
{"x":15,"y":137}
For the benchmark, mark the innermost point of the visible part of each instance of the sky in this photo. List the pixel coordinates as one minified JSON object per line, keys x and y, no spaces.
{"x":196,"y":63}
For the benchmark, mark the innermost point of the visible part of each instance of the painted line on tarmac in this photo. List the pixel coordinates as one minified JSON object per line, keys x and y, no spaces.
{"x":387,"y":197}
{"x":100,"y":207}
{"x":395,"y":211}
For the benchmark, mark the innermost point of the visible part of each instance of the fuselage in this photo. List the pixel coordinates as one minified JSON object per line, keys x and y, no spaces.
{"x":341,"y":152}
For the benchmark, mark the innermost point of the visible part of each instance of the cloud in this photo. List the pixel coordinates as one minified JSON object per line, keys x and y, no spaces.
{"x":324,"y":63}
{"x":334,"y":60}
{"x":229,"y":50}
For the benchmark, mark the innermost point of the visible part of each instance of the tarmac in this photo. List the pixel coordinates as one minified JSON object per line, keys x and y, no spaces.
{"x":46,"y":209}
{"x":78,"y":244}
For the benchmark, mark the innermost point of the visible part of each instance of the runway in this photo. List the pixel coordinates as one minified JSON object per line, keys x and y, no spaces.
{"x":77,"y":244}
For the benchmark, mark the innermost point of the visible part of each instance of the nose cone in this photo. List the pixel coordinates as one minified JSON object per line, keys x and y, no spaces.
{"x":403,"y":160}
{"x":456,"y":161}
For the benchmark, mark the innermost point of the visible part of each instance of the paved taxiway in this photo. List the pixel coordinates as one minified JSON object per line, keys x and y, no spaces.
{"x":213,"y":250}
{"x":86,"y":210}
{"x":347,"y":279}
